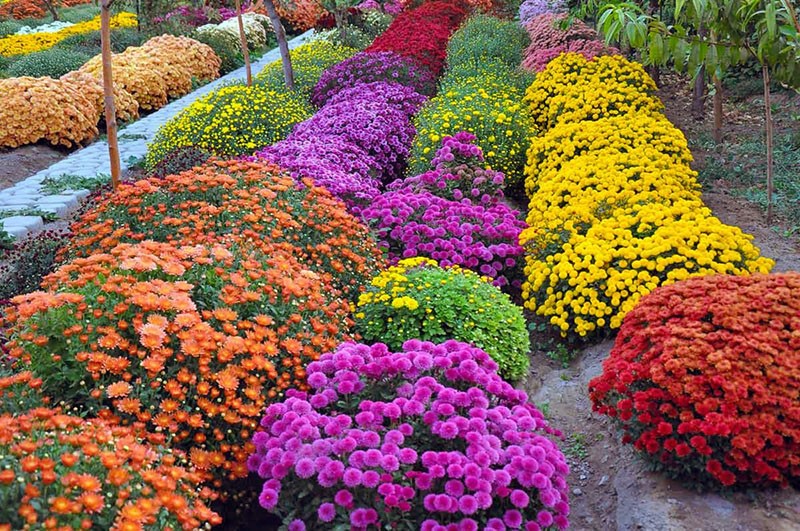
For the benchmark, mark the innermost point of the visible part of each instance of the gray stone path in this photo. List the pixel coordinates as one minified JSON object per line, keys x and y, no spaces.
{"x":93,"y":159}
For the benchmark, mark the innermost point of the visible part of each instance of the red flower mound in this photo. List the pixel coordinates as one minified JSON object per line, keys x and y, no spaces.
{"x":422,"y":33}
{"x":705,"y":379}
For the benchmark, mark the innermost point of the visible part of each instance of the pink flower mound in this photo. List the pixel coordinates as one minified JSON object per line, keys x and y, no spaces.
{"x":432,"y":433}
{"x":544,"y":34}
{"x":538,"y":60}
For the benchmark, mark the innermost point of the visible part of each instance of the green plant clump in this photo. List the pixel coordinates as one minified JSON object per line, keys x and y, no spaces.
{"x":417,"y":299}
{"x":234,"y":120}
{"x":483,"y":40}
{"x":54,"y":62}
{"x":229,"y":50}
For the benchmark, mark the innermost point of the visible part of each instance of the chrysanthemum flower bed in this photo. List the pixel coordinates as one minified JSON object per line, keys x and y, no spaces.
{"x":615,"y":209}
{"x":703,"y":378}
{"x":241,"y":203}
{"x":66,"y":472}
{"x":429,"y":434}
{"x":417,"y":299}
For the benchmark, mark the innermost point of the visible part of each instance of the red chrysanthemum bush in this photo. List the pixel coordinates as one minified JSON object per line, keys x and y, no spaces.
{"x":64,"y":472}
{"x":705,"y":379}
{"x":237,"y":201}
{"x":422,"y":33}
{"x":190,"y":341}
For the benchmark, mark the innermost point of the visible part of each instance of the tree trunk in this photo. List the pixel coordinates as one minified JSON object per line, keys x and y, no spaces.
{"x":698,"y":95}
{"x":108,"y":92}
{"x":718,"y":116}
{"x":283,"y":45}
{"x":768,"y":116}
{"x":51,"y":8}
{"x":341,"y":25}
{"x":243,"y":41}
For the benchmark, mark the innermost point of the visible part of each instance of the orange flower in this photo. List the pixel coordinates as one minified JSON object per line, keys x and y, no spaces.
{"x":152,"y":336}
{"x":118,"y":389}
{"x":92,"y":502}
{"x":61,"y":505}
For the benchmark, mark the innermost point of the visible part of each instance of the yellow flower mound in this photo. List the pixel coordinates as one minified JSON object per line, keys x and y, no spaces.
{"x":615,"y":208}
{"x":35,"y":42}
{"x":42,"y":108}
{"x":309,"y":61}
{"x":160,"y":69}
{"x":573,"y":89}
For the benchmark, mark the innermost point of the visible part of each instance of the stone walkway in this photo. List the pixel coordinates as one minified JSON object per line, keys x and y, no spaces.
{"x":93,"y":159}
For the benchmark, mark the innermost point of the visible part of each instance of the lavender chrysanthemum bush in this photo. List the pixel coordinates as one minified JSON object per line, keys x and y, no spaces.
{"x":452,"y":214}
{"x":376,"y":117}
{"x":370,"y":67}
{"x":430,"y":434}
{"x":533,"y":8}
{"x":331,"y":161}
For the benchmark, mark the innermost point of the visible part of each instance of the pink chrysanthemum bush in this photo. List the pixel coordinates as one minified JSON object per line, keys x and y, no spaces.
{"x":430,"y":434}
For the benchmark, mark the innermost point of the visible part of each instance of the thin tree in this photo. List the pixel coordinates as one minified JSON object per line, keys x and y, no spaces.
{"x":283,"y":45}
{"x":243,"y":41}
{"x":108,"y":91}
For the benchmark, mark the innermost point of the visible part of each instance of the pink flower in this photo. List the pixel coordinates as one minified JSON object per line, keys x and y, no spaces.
{"x":343,"y":498}
{"x":326,"y":512}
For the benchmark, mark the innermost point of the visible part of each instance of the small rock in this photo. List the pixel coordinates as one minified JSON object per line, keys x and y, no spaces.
{"x":577,"y":492}
{"x":603,"y":481}
{"x":582,"y":477}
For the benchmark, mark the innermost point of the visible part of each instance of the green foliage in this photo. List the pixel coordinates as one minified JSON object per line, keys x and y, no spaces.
{"x":9,"y":27}
{"x":89,"y":43}
{"x":229,"y":51}
{"x":79,"y":13}
{"x":486,"y":39}
{"x":54,"y":62}
{"x":234,"y":120}
{"x":28,"y":261}
{"x":57,"y":185}
{"x":47,"y":216}
{"x":417,"y":299}
{"x":308,"y":62}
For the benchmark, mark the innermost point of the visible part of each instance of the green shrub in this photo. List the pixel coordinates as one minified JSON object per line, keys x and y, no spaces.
{"x":89,"y":43}
{"x":308,"y":62}
{"x":417,"y":299}
{"x":230,"y":51}
{"x":79,"y":13}
{"x":9,"y":27}
{"x":485,"y":39}
{"x":54,"y":62}
{"x":234,"y":120}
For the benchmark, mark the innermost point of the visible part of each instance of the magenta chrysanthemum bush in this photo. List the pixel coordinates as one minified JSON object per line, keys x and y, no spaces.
{"x":331,"y":161}
{"x":376,"y":117}
{"x":430,"y":434}
{"x":452,"y":214}
{"x":370,"y":67}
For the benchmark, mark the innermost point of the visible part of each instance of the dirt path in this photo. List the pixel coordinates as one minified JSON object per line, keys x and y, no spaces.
{"x":18,"y":164}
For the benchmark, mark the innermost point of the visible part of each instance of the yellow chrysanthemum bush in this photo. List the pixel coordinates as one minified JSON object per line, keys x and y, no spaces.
{"x":573,"y":89}
{"x":418,"y":299}
{"x":234,"y":120}
{"x":309,"y":61}
{"x":615,"y":208}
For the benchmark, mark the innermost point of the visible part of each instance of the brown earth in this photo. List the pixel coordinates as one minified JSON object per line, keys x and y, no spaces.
{"x":22,"y":162}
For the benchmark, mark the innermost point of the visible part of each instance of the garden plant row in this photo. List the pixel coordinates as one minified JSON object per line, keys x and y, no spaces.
{"x":205,"y":322}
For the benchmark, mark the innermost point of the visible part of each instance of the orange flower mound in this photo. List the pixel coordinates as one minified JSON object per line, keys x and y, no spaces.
{"x":301,"y":14}
{"x":162,"y":68}
{"x":127,"y":109}
{"x":251,"y":203}
{"x":64,"y":472}
{"x":191,"y":341}
{"x":705,"y":379}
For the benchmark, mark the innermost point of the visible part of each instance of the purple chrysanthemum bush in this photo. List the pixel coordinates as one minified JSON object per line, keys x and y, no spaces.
{"x":430,"y":434}
{"x":533,"y":8}
{"x":453,"y":214}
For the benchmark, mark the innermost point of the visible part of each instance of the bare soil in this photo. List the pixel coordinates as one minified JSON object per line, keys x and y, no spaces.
{"x":18,"y":164}
{"x":612,"y":487}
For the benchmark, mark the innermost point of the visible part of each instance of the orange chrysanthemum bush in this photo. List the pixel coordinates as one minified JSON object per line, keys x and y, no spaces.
{"x":705,"y":379}
{"x":162,"y":68}
{"x":301,"y":14}
{"x":20,"y":391}
{"x":42,"y":108}
{"x":65,"y":472}
{"x":237,"y":201}
{"x":190,"y":341}
{"x":125,"y":106}
{"x":573,"y":88}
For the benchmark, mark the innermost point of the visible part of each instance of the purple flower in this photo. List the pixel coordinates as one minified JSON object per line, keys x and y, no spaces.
{"x":343,"y":498}
{"x":352,"y":477}
{"x":467,"y":504}
{"x":268,"y":498}
{"x":544,"y":518}
{"x":304,"y":468}
{"x":297,"y":525}
{"x":326,"y":512}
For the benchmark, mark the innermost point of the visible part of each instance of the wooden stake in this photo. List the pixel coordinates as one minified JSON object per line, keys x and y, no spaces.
{"x":108,"y":92}
{"x":768,"y":115}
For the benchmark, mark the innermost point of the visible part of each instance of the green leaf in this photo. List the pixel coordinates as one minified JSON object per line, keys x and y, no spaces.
{"x":772,"y":24}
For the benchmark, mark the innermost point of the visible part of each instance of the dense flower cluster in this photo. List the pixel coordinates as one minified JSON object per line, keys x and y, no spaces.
{"x":486,"y":43}
{"x":574,"y":89}
{"x":422,"y":34}
{"x":54,"y":110}
{"x":20,"y":391}
{"x":236,"y":202}
{"x":301,"y":14}
{"x":256,"y":29}
{"x":452,"y":214}
{"x":34,"y":42}
{"x":28,"y":9}
{"x":530,"y":9}
{"x":309,"y":61}
{"x":126,"y":107}
{"x":64,"y":472}
{"x":429,"y":435}
{"x":546,"y":31}
{"x":188,"y":15}
{"x":615,"y":209}
{"x":234,"y":120}
{"x":201,"y":337}
{"x":703,"y":377}
{"x":417,"y":299}
{"x":539,"y":59}
{"x":163,"y":67}
{"x":364,"y":67}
